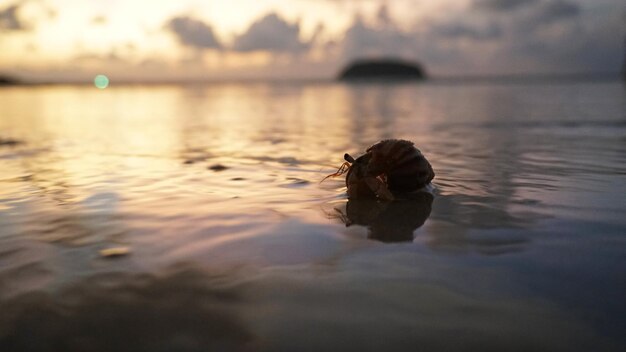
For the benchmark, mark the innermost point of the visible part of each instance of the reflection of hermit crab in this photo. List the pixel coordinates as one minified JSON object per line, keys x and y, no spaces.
{"x":392,"y":166}
{"x":394,"y":221}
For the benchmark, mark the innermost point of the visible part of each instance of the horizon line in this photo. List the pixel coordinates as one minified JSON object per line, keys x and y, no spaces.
{"x":10,"y":80}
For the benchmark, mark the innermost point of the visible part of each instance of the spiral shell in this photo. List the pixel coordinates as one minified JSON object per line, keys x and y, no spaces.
{"x":404,"y":166}
{"x":391,"y":166}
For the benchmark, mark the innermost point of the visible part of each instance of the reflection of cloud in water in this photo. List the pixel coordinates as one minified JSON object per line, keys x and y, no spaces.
{"x":457,"y":217}
{"x":186,"y":310}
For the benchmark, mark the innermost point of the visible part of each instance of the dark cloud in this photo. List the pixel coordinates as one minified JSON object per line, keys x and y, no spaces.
{"x":595,"y":47}
{"x":381,"y":39}
{"x":535,"y":12}
{"x":495,"y":18}
{"x":467,"y":31}
{"x":552,"y":11}
{"x":39,"y":11}
{"x":502,"y":5}
{"x":193,"y":32}
{"x":528,"y":24}
{"x":271,"y":33}
{"x":9,"y":19}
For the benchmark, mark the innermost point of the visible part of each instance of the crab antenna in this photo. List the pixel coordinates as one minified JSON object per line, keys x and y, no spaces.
{"x":347,"y":157}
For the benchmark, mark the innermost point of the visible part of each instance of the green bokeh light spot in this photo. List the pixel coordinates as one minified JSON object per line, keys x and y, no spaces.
{"x":101,"y":81}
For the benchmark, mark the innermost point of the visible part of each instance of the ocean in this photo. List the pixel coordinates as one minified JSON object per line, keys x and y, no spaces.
{"x":193,"y":218}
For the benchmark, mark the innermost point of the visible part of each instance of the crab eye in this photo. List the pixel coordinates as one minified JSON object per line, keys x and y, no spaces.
{"x":347,"y":157}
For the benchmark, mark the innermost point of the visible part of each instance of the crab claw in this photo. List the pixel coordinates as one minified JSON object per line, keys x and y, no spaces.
{"x":379,"y":188}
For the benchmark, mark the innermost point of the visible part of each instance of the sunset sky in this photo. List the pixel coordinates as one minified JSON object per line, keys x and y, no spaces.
{"x":150,"y":40}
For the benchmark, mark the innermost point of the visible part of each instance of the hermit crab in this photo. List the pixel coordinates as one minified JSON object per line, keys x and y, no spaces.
{"x":387,"y":169}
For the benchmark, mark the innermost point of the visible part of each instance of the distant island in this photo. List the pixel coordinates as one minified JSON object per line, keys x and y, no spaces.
{"x":8,"y":81}
{"x":384,"y":69}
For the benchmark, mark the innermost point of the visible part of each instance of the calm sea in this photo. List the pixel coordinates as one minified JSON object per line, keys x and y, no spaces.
{"x":211,"y":195}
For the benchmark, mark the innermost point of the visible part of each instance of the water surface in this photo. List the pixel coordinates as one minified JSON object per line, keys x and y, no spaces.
{"x":235,"y":244}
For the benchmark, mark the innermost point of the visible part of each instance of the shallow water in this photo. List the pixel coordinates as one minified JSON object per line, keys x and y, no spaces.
{"x":233,"y":242}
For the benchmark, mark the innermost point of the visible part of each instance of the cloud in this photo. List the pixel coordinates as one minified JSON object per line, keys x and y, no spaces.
{"x":383,"y":38}
{"x":502,"y":5}
{"x":522,"y":20}
{"x":9,"y":19}
{"x":475,"y":37}
{"x":93,"y":59}
{"x":193,"y":32}
{"x":552,"y":11}
{"x":383,"y":16}
{"x":496,"y":37}
{"x":99,"y":20}
{"x":527,"y":13}
{"x":271,"y":33}
{"x":24,"y":15}
{"x":461,"y":30}
{"x":574,"y":43}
